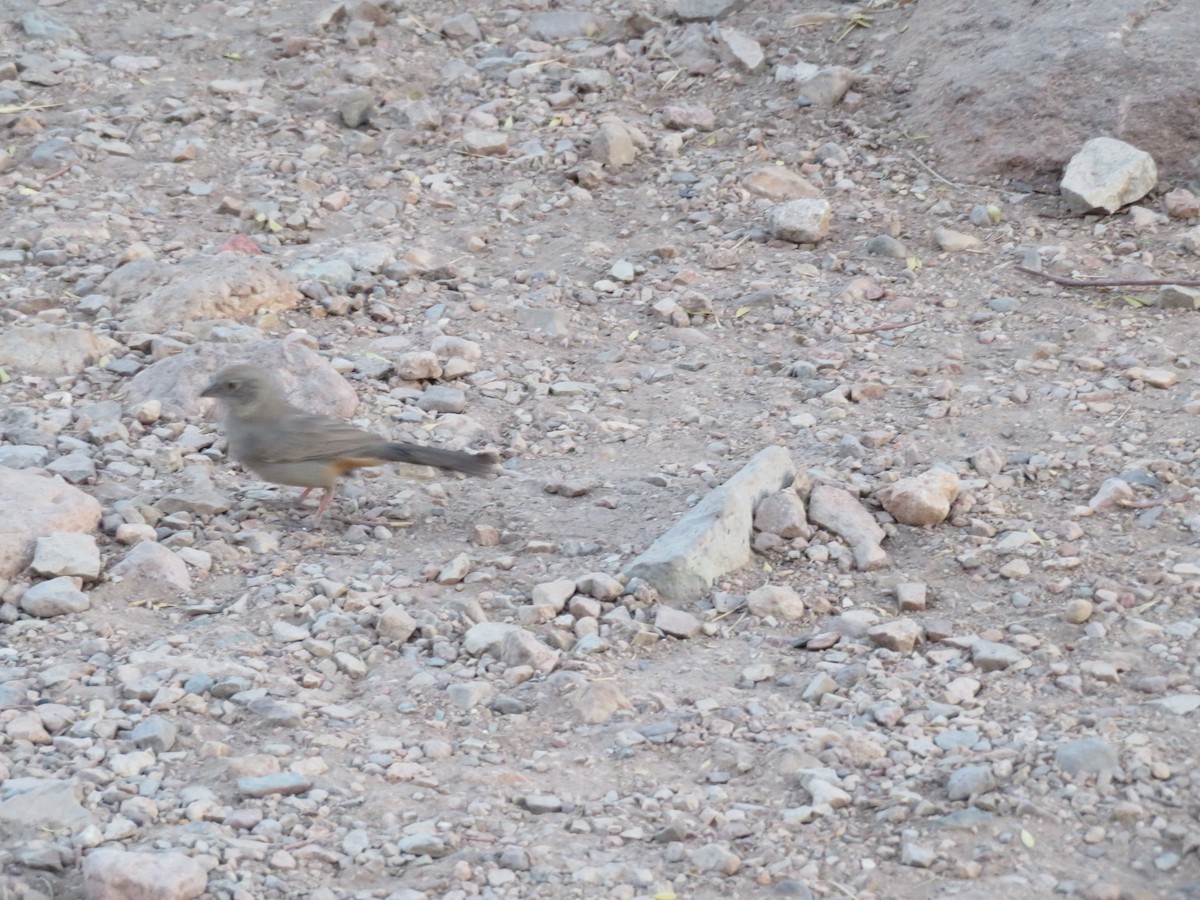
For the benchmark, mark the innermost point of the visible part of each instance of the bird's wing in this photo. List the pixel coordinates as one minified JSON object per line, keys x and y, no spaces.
{"x":298,"y":437}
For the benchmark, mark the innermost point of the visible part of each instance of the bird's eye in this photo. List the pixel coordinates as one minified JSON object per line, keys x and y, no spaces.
{"x":232,"y":385}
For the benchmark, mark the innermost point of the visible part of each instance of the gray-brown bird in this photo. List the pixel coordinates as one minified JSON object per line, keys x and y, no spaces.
{"x":286,"y":445}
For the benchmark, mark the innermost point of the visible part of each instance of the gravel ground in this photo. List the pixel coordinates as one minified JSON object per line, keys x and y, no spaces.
{"x":555,"y":233}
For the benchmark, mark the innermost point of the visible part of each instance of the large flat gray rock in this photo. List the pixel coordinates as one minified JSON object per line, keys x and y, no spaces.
{"x":714,"y":536}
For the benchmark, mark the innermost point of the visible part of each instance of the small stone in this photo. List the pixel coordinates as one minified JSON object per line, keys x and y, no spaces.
{"x":1181,"y":204}
{"x":921,"y":501}
{"x":804,"y":221}
{"x":598,"y":701}
{"x":1174,"y":296}
{"x":1088,"y":756}
{"x":149,"y":563}
{"x":56,"y":597}
{"x":782,"y":513}
{"x":682,"y":116}
{"x":441,"y":398}
{"x":395,"y":624}
{"x":284,"y":783}
{"x":915,"y":855}
{"x":553,"y":593}
{"x":67,"y":553}
{"x":155,"y":733}
{"x":741,"y":50}
{"x":417,"y":365}
{"x":970,"y":781}
{"x":454,"y":571}
{"x":485,"y":143}
{"x":716,"y":858}
{"x":827,"y":87}
{"x":676,"y":622}
{"x":886,"y":245}
{"x":910,"y":596}
{"x":612,"y":145}
{"x":1159,"y":378}
{"x":1107,"y":174}
{"x":990,"y":656}
{"x":779,"y":184}
{"x":1113,"y":494}
{"x":111,"y":873}
{"x":775,"y":600}
{"x":838,"y":511}
{"x":599,"y":585}
{"x":470,"y":694}
{"x":955,"y":241}
{"x":1077,"y":611}
{"x":899,"y":635}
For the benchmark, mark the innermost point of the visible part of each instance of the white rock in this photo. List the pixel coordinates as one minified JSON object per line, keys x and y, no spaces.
{"x":1107,"y":174}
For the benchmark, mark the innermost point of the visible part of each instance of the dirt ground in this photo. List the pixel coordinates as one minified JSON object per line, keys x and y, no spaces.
{"x":867,"y":368}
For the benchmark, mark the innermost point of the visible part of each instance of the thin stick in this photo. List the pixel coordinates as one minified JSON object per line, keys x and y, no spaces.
{"x":923,"y":165}
{"x":1111,"y":282}
{"x":892,"y":327}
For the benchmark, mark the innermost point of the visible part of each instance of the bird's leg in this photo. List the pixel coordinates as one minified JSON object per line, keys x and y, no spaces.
{"x":304,"y":494}
{"x":324,"y":504}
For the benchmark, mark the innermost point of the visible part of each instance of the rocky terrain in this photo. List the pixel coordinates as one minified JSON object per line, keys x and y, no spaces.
{"x":838,"y":551}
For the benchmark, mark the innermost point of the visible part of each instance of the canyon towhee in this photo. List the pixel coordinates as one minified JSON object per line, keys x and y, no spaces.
{"x":286,"y":445}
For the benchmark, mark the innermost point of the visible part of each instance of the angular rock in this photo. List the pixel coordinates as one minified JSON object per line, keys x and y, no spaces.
{"x":955,"y":241}
{"x":51,"y":350}
{"x":828,"y":86}
{"x":154,"y":568}
{"x":920,"y":501}
{"x":66,"y":553}
{"x":56,"y":597}
{"x":599,"y":585}
{"x":910,"y":596}
{"x":48,"y":506}
{"x":741,"y":50}
{"x":1174,"y":296}
{"x":681,"y":116}
{"x":488,"y":637}
{"x":396,"y":624}
{"x":779,"y":184}
{"x":612,"y":145}
{"x":991,"y":656}
{"x":714,"y":536}
{"x":522,"y":648}
{"x":776,"y":600}
{"x":900,"y":635}
{"x":783,"y":514}
{"x":1107,"y":174}
{"x":418,"y":365}
{"x":283,"y":783}
{"x":598,"y":701}
{"x":676,"y":622}
{"x":840,"y":512}
{"x":553,"y":593}
{"x":804,"y":221}
{"x":1088,"y":756}
{"x":34,"y":805}
{"x":1113,"y":494}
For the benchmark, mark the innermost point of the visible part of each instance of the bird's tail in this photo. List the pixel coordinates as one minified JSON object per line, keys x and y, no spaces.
{"x":454,"y":460}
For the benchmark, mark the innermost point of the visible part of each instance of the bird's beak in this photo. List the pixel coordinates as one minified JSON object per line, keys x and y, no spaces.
{"x":210,"y":391}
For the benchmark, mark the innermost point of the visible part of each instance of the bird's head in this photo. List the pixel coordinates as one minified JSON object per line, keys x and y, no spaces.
{"x":241,"y":386}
